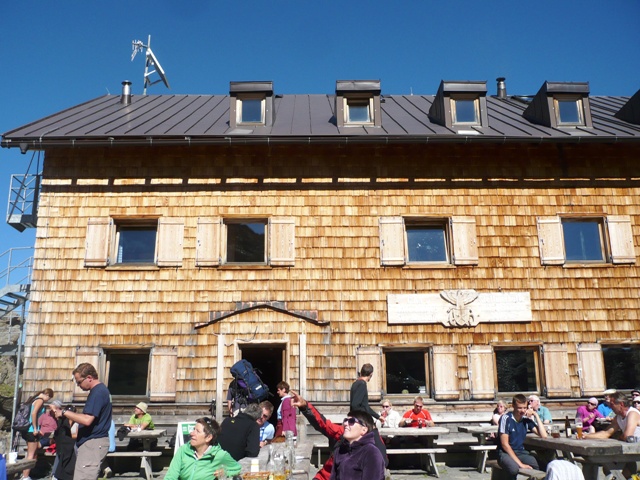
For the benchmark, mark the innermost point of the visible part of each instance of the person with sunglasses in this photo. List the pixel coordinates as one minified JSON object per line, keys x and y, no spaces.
{"x":389,"y":417}
{"x":418,"y":416}
{"x":267,"y":430}
{"x":356,"y":456}
{"x":330,"y":430}
{"x":202,"y":458}
{"x":589,"y":413}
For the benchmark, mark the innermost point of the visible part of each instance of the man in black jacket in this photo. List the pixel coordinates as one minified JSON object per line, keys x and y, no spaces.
{"x":240,"y":435}
{"x":359,"y":392}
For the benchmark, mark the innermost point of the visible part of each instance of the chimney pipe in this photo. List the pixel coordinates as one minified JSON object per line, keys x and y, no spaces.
{"x":502,"y":87}
{"x":125,"y":98}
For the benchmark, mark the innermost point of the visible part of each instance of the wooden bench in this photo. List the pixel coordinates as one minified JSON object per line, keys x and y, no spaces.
{"x":482,"y":454}
{"x":145,"y":463}
{"x":425,"y":453}
{"x":498,"y":474}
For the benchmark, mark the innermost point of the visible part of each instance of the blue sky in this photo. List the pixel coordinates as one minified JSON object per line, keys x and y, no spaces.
{"x":58,"y":54}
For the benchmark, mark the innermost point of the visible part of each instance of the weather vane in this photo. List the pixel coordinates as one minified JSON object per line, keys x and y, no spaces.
{"x":151,"y":61}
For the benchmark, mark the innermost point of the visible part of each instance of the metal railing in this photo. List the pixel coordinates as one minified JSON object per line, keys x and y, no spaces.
{"x":19,"y":266}
{"x":24,"y":191}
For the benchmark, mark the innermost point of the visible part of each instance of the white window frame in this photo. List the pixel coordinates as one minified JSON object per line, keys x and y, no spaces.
{"x":454,"y":98}
{"x":239,"y":105}
{"x":349,"y":100}
{"x":429,"y":222}
{"x":577,"y":99}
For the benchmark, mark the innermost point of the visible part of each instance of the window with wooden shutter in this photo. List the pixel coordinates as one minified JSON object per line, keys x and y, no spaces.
{"x":465,"y":243}
{"x":550,"y":240}
{"x":99,"y":233}
{"x":208,"y":246}
{"x":282,"y":241}
{"x":481,"y":372}
{"x":621,"y":239}
{"x":591,"y":369}
{"x":556,"y":369}
{"x":445,"y":372}
{"x":170,"y":239}
{"x":92,"y":355}
{"x":163,"y":371}
{"x":392,"y":241}
{"x":371,"y":354}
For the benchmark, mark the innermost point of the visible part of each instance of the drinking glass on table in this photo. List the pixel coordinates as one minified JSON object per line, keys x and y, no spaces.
{"x":555,"y":431}
{"x":578,"y":424}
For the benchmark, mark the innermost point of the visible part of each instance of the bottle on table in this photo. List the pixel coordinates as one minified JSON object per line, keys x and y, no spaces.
{"x":567,"y":426}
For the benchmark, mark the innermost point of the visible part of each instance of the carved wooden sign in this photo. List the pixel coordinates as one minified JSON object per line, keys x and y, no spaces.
{"x":459,"y":308}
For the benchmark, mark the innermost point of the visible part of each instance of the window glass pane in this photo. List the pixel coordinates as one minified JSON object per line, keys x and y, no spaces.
{"x":569,"y":111}
{"x":516,"y":371}
{"x":622,"y":366}
{"x":426,"y":243}
{"x":136,"y":245}
{"x":359,"y":112}
{"x":465,"y":111}
{"x":582,"y":240}
{"x":128,"y":373}
{"x":245,"y":242}
{"x":405,"y":372}
{"x":252,"y":110}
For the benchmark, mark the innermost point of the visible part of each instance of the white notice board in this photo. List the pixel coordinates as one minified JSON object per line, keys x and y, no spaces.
{"x":182,"y":434}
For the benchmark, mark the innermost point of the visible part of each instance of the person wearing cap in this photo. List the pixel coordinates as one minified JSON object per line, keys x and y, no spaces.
{"x":140,"y":420}
{"x":605,"y":407}
{"x":588,"y":413}
{"x":635,"y":392}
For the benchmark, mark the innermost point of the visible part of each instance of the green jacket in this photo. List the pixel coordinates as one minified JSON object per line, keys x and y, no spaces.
{"x":185,"y":466}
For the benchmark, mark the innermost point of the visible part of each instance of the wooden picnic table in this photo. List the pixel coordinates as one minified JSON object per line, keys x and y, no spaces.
{"x":147,"y":437}
{"x":427,"y":453}
{"x":595,"y":452}
{"x":482,"y":449}
{"x":303,"y":451}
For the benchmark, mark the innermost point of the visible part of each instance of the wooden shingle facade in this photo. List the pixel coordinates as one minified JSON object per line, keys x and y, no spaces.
{"x":449,"y":240}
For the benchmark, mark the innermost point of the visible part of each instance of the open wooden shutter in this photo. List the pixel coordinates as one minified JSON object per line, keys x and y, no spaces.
{"x":481,"y":372}
{"x":99,"y":231}
{"x":169,"y":243}
{"x":162,"y":374}
{"x":550,"y":240}
{"x":372,"y":354}
{"x":88,"y":355}
{"x":282,"y":245}
{"x":465,"y":242}
{"x":556,"y":370}
{"x":591,"y":369}
{"x":444,"y":359}
{"x":208,"y":242}
{"x":621,"y":239}
{"x":392,"y":241}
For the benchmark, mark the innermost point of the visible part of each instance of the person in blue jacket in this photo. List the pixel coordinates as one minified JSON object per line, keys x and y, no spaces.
{"x":202,"y":458}
{"x":357,"y":457}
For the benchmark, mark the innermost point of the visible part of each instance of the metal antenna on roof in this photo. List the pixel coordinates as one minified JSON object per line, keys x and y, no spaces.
{"x":151,"y":61}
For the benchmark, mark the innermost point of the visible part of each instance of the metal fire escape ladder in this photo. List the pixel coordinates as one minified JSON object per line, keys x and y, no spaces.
{"x":24,"y":192}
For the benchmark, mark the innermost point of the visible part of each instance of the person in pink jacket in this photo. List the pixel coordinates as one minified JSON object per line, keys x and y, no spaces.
{"x":286,"y":412}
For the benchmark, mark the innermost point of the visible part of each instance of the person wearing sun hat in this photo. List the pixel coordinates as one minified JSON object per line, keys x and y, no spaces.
{"x":140,"y":420}
{"x":605,"y":407}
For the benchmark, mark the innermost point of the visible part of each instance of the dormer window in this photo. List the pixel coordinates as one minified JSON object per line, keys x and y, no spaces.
{"x":460,"y":104}
{"x":569,"y":110}
{"x":560,"y":104}
{"x":465,"y":110}
{"x":250,"y":109}
{"x":358,"y":111}
{"x":251,"y":104}
{"x":358,"y":103}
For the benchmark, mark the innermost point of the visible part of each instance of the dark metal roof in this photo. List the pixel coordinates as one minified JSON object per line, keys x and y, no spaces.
{"x":204,"y":119}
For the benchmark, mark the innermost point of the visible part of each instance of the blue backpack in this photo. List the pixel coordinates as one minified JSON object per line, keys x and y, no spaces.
{"x":249,"y":385}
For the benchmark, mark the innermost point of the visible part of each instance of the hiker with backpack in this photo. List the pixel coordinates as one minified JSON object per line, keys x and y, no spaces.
{"x":246,"y":387}
{"x":32,"y":433}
